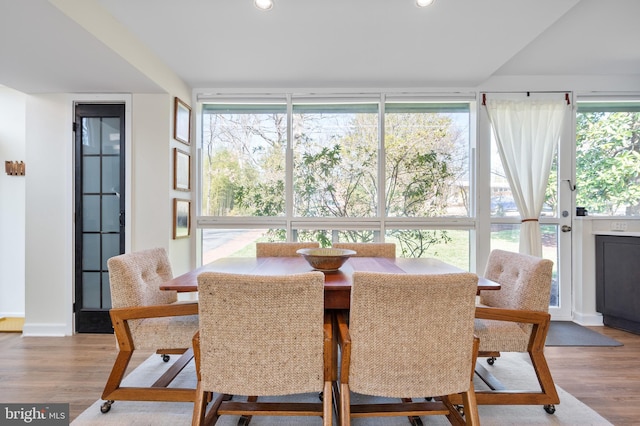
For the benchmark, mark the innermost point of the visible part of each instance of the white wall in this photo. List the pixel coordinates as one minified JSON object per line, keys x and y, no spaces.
{"x":49,"y":215}
{"x":152,"y":179}
{"x":12,"y":204}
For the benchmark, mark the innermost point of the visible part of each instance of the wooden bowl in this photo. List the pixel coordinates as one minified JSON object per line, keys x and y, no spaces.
{"x":326,"y":259}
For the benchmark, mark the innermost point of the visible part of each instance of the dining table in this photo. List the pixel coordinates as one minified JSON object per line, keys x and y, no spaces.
{"x":337,"y":284}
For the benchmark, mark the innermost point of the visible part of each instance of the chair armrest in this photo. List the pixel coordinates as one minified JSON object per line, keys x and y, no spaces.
{"x":539,"y":320}
{"x":120,"y":318}
{"x":512,"y":315}
{"x":154,"y":311}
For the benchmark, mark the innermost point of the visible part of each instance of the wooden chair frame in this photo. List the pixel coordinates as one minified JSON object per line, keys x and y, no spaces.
{"x":223,"y":405}
{"x":159,"y":391}
{"x":442,"y":405}
{"x":498,"y":394}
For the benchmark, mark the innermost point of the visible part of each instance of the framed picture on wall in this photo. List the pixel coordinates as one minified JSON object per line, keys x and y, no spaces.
{"x":181,"y":218}
{"x":181,"y":170}
{"x":182,"y":121}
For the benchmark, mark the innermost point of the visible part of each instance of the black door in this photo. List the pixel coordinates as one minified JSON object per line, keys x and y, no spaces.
{"x":100,"y":210}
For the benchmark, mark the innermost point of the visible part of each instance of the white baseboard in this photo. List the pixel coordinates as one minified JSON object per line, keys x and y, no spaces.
{"x":11,"y":314}
{"x":594,"y":319}
{"x":48,"y":330}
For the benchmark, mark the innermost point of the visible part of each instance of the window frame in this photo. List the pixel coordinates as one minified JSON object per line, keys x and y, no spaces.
{"x":378,"y":223}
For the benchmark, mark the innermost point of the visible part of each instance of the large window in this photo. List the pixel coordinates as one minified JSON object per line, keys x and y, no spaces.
{"x":243,"y":160}
{"x":608,"y":158}
{"x":335,"y":162}
{"x":333,"y":170}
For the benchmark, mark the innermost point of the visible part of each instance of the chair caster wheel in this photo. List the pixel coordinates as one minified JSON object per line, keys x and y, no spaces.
{"x":460,"y":409}
{"x":321,"y":396}
{"x":550,"y":408}
{"x":244,"y":421}
{"x":166,"y":358}
{"x":105,"y":407}
{"x":491,"y":360}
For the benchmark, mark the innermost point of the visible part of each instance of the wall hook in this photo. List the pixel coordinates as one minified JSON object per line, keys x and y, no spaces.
{"x":14,"y":168}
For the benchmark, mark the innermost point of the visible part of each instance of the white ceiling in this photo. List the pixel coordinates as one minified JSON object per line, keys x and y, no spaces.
{"x":304,"y":43}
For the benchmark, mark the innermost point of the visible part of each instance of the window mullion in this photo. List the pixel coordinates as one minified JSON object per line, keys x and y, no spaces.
{"x":382,"y":187}
{"x":289,"y":169}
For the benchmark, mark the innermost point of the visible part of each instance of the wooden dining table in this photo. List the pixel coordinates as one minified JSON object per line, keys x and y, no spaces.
{"x":337,"y":285}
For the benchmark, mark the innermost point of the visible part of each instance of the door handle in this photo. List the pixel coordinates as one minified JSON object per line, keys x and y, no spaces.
{"x":565,"y":228}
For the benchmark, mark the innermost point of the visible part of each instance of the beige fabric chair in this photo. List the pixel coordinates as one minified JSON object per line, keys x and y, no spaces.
{"x":370,"y":249}
{"x":282,"y":249}
{"x":145,"y":317}
{"x":262,"y":336}
{"x":431,"y":352}
{"x":516,"y":319}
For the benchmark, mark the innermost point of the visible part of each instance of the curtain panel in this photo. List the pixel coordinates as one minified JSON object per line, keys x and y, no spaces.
{"x":527,"y":134}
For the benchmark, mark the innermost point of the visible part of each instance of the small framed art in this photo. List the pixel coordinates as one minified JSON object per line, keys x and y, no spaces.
{"x":181,"y":170}
{"x":181,"y":218}
{"x":182,"y":121}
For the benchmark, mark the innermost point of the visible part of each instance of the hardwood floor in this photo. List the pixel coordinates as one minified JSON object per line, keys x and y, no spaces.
{"x":607,"y":379}
{"x":74,"y":370}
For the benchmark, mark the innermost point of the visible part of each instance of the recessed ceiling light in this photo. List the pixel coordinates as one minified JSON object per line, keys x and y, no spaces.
{"x":424,"y":3}
{"x":263,"y":4}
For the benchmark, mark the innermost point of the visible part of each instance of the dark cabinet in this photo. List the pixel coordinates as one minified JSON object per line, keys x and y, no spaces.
{"x":618,"y":281}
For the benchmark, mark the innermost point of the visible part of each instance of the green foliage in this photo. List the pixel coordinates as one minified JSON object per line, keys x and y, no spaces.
{"x":608,"y":162}
{"x":335,"y":170}
{"x":416,"y":242}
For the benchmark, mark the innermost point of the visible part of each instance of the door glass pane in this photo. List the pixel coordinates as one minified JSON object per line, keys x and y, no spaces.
{"x":110,"y":248}
{"x":91,"y":290}
{"x":106,"y":291}
{"x":111,"y":174}
{"x":110,"y":135}
{"x":91,"y":135}
{"x":91,"y":213}
{"x":507,"y":237}
{"x":90,"y":174}
{"x":110,"y":213}
{"x":91,"y":252}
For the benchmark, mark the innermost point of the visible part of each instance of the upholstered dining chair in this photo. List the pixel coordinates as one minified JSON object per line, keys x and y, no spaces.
{"x":386,"y":355}
{"x":262,"y":336}
{"x":147,"y":318}
{"x":516,"y":319}
{"x":370,"y":249}
{"x":282,"y":249}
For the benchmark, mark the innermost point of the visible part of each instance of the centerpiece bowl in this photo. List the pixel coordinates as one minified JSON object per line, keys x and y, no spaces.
{"x":326,"y":259}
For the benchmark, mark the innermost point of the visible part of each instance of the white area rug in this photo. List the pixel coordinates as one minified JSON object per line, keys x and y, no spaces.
{"x":511,"y":369}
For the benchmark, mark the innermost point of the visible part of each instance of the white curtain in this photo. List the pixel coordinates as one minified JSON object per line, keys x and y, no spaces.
{"x":527,"y":134}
